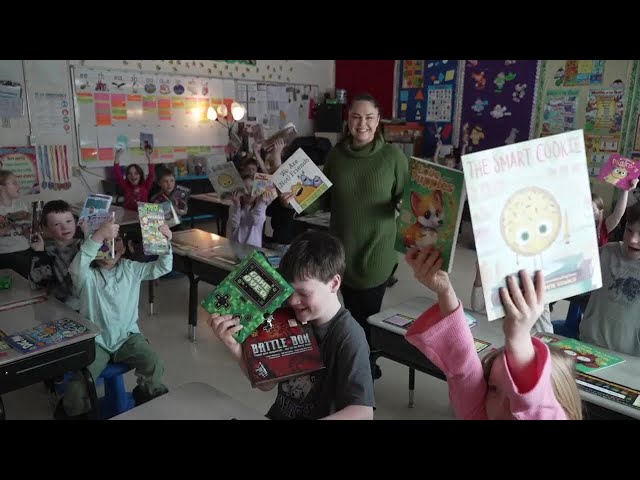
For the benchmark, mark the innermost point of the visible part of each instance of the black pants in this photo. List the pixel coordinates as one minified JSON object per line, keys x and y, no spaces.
{"x":19,"y":262}
{"x":362,"y":303}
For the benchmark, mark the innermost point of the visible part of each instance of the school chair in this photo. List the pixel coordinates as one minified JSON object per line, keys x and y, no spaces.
{"x":571,"y":326}
{"x":116,"y":399}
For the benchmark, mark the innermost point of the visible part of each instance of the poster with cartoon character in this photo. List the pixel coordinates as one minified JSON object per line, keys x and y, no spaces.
{"x":525,"y":217}
{"x":583,"y":72}
{"x":559,"y":111}
{"x":497,"y":103}
{"x":300,"y":176}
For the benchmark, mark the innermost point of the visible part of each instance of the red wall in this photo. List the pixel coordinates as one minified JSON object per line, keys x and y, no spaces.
{"x":372,"y":76}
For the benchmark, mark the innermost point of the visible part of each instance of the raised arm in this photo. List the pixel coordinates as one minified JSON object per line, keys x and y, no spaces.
{"x":612,"y":221}
{"x":152,"y":170}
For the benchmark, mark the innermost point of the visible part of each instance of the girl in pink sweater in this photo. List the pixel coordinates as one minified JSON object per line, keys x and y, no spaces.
{"x":524,"y":380}
{"x":135,"y":188}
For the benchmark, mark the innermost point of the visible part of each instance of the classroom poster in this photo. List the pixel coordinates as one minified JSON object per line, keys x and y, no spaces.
{"x":599,"y":148}
{"x":498,"y":102}
{"x":22,"y":162}
{"x":433,"y":104}
{"x":52,"y":113}
{"x":412,"y":73}
{"x":604,"y":111}
{"x":583,"y":72}
{"x":559,"y":111}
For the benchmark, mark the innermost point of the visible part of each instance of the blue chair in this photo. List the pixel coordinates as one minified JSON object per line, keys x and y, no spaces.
{"x":116,"y":399}
{"x":571,"y":326}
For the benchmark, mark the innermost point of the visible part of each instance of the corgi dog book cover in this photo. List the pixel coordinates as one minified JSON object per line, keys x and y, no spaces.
{"x":431,"y":209}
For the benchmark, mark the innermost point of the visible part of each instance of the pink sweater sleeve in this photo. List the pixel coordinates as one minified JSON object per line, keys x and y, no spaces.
{"x":117,"y":170}
{"x":448,"y":343}
{"x":148,"y":182}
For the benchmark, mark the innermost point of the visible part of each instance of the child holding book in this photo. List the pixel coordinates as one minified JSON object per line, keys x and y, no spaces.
{"x":343,"y":390}
{"x":605,"y":226}
{"x":247,"y":214}
{"x":611,"y":317}
{"x":14,"y":226}
{"x":543,"y":323}
{"x":109,"y":291}
{"x":52,"y":257}
{"x":134,"y":187}
{"x":167,"y":184}
{"x":524,"y":380}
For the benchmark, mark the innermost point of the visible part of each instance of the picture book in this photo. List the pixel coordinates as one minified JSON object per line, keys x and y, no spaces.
{"x":530,"y":205}
{"x":588,"y":357}
{"x":171,"y":217}
{"x":620,"y":171}
{"x":251,"y":292}
{"x":96,"y":203}
{"x":300,"y":176}
{"x":151,"y":219}
{"x":281,"y":348}
{"x":95,"y":221}
{"x":180,"y":196}
{"x":122,"y":143}
{"x":146,"y":141}
{"x":262,"y":183}
{"x":45,"y":335}
{"x":431,"y":209}
{"x":225,"y":179}
{"x":286,"y":133}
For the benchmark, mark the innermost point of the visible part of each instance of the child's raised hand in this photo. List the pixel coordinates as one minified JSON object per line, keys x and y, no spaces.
{"x":236,"y":196}
{"x":285,"y":199}
{"x":268,"y":196}
{"x":426,"y":264}
{"x":634,"y":184}
{"x":38,"y":245}
{"x":166,"y":231}
{"x":278,"y":146}
{"x":522,"y":308}
{"x":224,"y":326}
{"x":107,"y":231}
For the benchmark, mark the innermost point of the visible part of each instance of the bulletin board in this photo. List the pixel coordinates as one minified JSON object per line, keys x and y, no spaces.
{"x":427,"y":95}
{"x":498,"y":103}
{"x":173,"y":108}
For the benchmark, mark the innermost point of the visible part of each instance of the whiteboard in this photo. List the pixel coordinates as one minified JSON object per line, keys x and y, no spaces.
{"x":109,"y":103}
{"x":173,"y":108}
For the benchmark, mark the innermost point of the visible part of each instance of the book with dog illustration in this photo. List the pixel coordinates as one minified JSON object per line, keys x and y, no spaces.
{"x":620,"y":171}
{"x":251,"y":292}
{"x":151,"y":219}
{"x":281,"y":348}
{"x":300,"y":176}
{"x":530,"y":205}
{"x":431,"y":209}
{"x":588,"y":357}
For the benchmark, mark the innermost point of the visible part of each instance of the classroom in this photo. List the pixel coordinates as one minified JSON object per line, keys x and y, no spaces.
{"x":292,"y":214}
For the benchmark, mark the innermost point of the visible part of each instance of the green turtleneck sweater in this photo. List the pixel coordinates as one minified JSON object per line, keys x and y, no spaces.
{"x":367,"y":184}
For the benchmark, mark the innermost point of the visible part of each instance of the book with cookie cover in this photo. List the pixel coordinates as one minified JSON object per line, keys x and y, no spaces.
{"x":281,"y":348}
{"x":252,"y":292}
{"x":431,"y":210}
{"x":530,"y":205}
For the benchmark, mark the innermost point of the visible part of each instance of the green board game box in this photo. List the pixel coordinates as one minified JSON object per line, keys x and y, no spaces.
{"x":252,"y":291}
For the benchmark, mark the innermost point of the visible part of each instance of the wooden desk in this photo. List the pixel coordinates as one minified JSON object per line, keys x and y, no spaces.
{"x":208,"y":257}
{"x":20,"y":292}
{"x":18,"y":370}
{"x":192,"y":401}
{"x":220,"y":207}
{"x":388,"y":341}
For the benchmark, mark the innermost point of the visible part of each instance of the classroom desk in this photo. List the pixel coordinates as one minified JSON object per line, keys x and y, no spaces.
{"x":207,"y":257}
{"x":388,"y":341}
{"x":18,"y":370}
{"x":319,"y":220}
{"x":220,"y":207}
{"x":20,"y":292}
{"x":192,"y":401}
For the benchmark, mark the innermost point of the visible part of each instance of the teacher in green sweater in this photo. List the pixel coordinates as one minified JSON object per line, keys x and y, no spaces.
{"x":368,"y":177}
